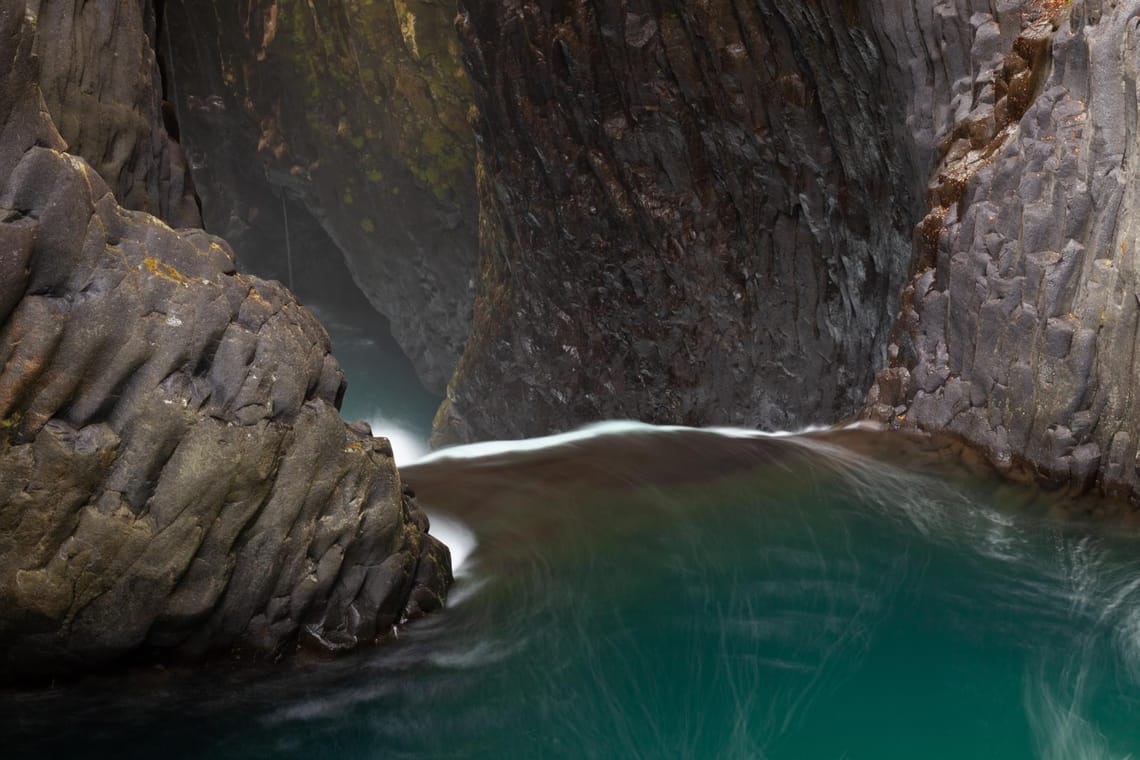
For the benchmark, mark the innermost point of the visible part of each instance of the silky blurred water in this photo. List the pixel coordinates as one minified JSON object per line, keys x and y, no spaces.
{"x":628,"y":594}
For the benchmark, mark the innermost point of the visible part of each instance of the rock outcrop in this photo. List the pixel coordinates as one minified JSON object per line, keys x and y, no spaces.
{"x":1019,"y":330}
{"x":174,"y":476}
{"x":101,"y":83}
{"x":699,"y":213}
{"x":343,"y":117}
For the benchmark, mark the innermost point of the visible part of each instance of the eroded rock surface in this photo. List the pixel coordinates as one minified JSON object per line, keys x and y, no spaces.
{"x":699,"y":212}
{"x":174,"y":475}
{"x":1019,"y":331}
{"x":100,"y":81}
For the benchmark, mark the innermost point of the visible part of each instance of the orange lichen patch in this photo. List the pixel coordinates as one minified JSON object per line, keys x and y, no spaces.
{"x":976,"y":141}
{"x":1033,"y":10}
{"x":165,"y":271}
{"x":255,"y":297}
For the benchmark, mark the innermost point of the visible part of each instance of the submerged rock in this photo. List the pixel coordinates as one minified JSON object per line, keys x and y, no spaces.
{"x":174,"y":475}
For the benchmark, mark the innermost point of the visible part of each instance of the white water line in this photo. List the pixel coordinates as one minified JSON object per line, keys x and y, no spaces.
{"x":288,"y":243}
{"x":595,"y":430}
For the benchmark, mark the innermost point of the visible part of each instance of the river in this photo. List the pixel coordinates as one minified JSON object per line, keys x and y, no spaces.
{"x":630,"y":591}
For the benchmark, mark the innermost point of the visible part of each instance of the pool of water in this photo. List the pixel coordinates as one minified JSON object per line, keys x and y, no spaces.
{"x":638,"y":592}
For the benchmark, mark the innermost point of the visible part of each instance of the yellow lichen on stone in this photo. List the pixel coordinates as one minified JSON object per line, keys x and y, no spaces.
{"x":164,"y":270}
{"x":407,"y":27}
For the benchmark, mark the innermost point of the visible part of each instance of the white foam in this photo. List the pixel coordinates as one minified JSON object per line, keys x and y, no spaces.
{"x":595,"y":430}
{"x":1060,"y":730}
{"x":458,"y":537}
{"x":407,"y":446}
{"x":479,"y":654}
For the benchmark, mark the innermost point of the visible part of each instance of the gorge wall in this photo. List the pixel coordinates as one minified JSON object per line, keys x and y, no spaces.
{"x":101,"y":83}
{"x":339,"y":119}
{"x":1019,"y":330}
{"x":700,"y":213}
{"x":174,"y":475}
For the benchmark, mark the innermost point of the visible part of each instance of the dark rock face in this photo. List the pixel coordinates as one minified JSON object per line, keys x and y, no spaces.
{"x":1019,"y":331}
{"x":174,"y":475}
{"x":342,"y":117}
{"x":697,"y":213}
{"x":100,"y":81}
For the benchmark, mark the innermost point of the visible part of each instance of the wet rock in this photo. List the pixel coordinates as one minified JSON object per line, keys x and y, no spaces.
{"x":174,"y":475}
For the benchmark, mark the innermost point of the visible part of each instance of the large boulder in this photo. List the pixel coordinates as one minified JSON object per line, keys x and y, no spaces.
{"x":174,"y":475}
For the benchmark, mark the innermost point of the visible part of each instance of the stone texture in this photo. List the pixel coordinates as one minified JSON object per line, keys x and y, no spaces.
{"x":699,"y":212}
{"x":1019,"y":330}
{"x":174,"y":476}
{"x":343,"y":116}
{"x":101,"y":83}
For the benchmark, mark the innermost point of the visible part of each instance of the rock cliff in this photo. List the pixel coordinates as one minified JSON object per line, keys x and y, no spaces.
{"x":174,"y":476}
{"x":699,"y":213}
{"x":345,"y":118}
{"x":100,"y":81}
{"x":707,"y":213}
{"x":1019,"y":328}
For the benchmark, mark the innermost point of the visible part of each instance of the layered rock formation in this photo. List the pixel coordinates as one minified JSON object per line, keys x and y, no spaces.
{"x":699,"y":213}
{"x":106,"y":102}
{"x":174,"y":475}
{"x":1019,"y":330}
{"x":343,"y":117}
{"x":702,"y":213}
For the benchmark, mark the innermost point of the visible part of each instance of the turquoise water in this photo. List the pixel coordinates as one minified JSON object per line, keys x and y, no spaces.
{"x":383,"y":389}
{"x":679,"y":594}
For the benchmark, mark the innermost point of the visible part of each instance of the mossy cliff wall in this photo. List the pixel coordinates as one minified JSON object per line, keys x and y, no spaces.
{"x":358,"y":110}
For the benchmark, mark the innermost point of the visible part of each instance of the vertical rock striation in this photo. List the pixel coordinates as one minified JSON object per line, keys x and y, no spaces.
{"x":699,"y":213}
{"x":100,"y":81}
{"x":1019,"y":330}
{"x":174,"y":475}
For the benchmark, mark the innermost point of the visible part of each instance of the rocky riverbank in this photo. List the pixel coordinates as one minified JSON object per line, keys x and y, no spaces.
{"x":174,"y":475}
